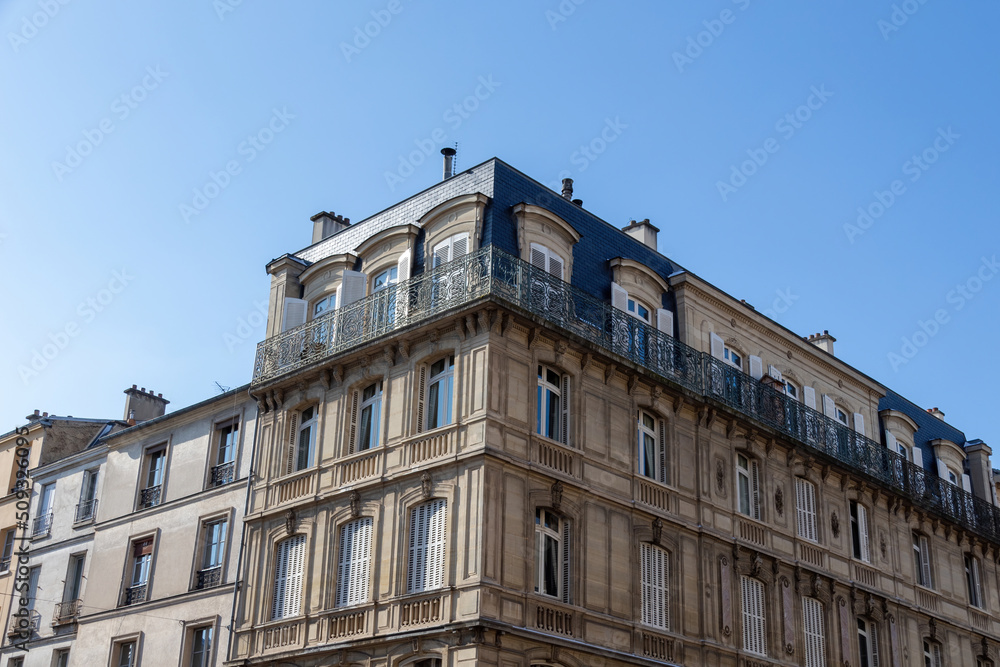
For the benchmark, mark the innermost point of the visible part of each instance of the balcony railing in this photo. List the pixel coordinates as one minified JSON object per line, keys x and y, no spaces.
{"x":224,"y":473}
{"x":24,"y":625}
{"x":209,"y":578}
{"x":134,"y":594}
{"x":41,"y":525}
{"x":86,"y":510}
{"x":150,"y":497}
{"x":495,"y":275}
{"x":66,"y":612}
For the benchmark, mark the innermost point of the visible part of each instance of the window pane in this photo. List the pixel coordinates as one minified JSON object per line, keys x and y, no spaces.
{"x":551,"y":564}
{"x":552,"y":415}
{"x":432,"y":405}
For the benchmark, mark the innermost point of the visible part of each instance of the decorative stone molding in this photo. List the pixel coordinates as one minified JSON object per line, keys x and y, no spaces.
{"x":835,"y":524}
{"x":426,"y":485}
{"x":557,"y":494}
{"x":355,"y":504}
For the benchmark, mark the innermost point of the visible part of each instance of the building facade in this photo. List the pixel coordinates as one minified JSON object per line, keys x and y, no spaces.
{"x":495,"y":429}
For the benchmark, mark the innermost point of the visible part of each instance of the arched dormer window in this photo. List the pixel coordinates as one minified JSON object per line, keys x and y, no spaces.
{"x":542,"y":233}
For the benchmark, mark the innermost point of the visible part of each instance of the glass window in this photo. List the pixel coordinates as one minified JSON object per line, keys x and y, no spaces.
{"x":60,"y":658}
{"x":384,"y":279}
{"x":201,"y":647}
{"x":859,"y":532}
{"x":226,"y":436}
{"x":922,"y":560}
{"x":552,"y":412}
{"x":324,"y":304}
{"x":440,"y":391}
{"x":305,"y":439}
{"x":8,"y":549}
{"x":637,"y":309}
{"x":867,"y":643}
{"x":732,"y":357}
{"x":212,"y":553}
{"x":87,"y":508}
{"x":747,"y":482}
{"x":551,"y":555}
{"x":126,"y":655}
{"x":932,"y":654}
{"x":791,"y":390}
{"x":973,"y":581}
{"x":652,"y":457}
{"x":371,"y":416}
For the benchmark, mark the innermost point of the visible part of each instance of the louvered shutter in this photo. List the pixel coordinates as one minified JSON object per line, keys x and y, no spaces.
{"x":353,"y":431}
{"x":655,"y":586}
{"x":859,"y":423}
{"x":403,"y":267}
{"x":294,"y":313}
{"x":293,"y":431}
{"x":925,"y":562}
{"x":755,"y":482}
{"x":756,"y":367}
{"x":442,"y":253}
{"x":829,"y":407}
{"x":665,"y":321}
{"x":436,"y":541}
{"x":566,"y":549}
{"x":873,"y":640}
{"x":754,"y":637}
{"x":427,"y":543}
{"x":890,"y":442}
{"x":352,"y":288}
{"x":718,"y":346}
{"x":809,"y":397}
{"x":415,"y":556}
{"x":805,"y":508}
{"x":289,"y":560}
{"x":937,"y":655}
{"x":556,"y":266}
{"x":863,"y":532}
{"x":355,"y":556}
{"x":564,"y":404}
{"x":663,"y":452}
{"x":421,"y":386}
{"x":459,"y":246}
{"x":619,"y":297}
{"x":774,"y":372}
{"x":918,"y":457}
{"x":815,"y":640}
{"x":538,"y":254}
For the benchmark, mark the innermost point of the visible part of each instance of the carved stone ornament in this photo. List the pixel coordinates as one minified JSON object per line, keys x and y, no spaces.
{"x":720,"y":476}
{"x":835,"y":525}
{"x":881,"y":545}
{"x":290,"y":521}
{"x":557,"y":493}
{"x":779,"y":501}
{"x":355,"y":504}
{"x":425,"y":484}
{"x":657,"y":530}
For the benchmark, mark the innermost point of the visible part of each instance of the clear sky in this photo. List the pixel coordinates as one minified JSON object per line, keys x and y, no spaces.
{"x":153,"y":159}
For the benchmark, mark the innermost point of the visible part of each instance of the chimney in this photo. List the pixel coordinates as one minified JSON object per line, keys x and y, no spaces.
{"x":567,"y":191}
{"x":34,"y":417}
{"x":937,"y":413}
{"x":326,"y":225}
{"x":642,"y":231}
{"x":823,"y":341}
{"x":449,"y":162}
{"x":578,"y":202}
{"x":977,"y":454}
{"x":141,"y":405}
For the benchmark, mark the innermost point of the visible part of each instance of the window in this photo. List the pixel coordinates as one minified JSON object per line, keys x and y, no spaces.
{"x":60,"y":658}
{"x":922,"y":560}
{"x":867,"y":643}
{"x":952,"y":477}
{"x":8,"y":549}
{"x":754,"y":625}
{"x":353,"y":565}
{"x":547,"y":260}
{"x":142,"y":559}
{"x":805,"y":509}
{"x":425,"y":560}
{"x":201,"y":646}
{"x":226,"y":441}
{"x":43,"y":519}
{"x":859,"y":531}
{"x":366,"y":424}
{"x":151,"y":494}
{"x":450,"y":249}
{"x":16,"y":662}
{"x":32,"y":592}
{"x":791,"y":390}
{"x":325,"y":304}
{"x":973,"y":581}
{"x":383,"y":308}
{"x":552,"y":413}
{"x":904,"y":451}
{"x":384,"y":279}
{"x":437,"y":409}
{"x":732,"y":357}
{"x":289,"y":562}
{"x":303,"y":439}
{"x":841,"y":416}
{"x":932,"y":654}
{"x":125,"y":655}
{"x":73,"y":588}
{"x":815,"y":636}
{"x":748,"y":486}
{"x":655,"y":566}
{"x":652,"y":452}
{"x":638,"y":310}
{"x":86,"y":510}
{"x":552,"y":548}
{"x":212,"y":553}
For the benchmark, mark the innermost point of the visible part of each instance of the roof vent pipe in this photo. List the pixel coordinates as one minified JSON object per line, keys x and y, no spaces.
{"x":449,"y":161}
{"x":567,"y":191}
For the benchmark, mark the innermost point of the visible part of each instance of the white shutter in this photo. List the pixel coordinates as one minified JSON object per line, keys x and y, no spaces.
{"x":353,"y":568}
{"x":774,"y":372}
{"x":538,"y":256}
{"x":564,"y":404}
{"x":293,"y":427}
{"x":655,"y":586}
{"x":829,"y":407}
{"x":665,"y":321}
{"x":859,"y":423}
{"x":755,"y":481}
{"x":942,"y":470}
{"x":805,"y":508}
{"x":566,"y":548}
{"x":289,"y":561}
{"x":421,"y":384}
{"x":756,"y":367}
{"x":754,"y":630}
{"x":352,"y":436}
{"x":873,"y":640}
{"x":809,"y":397}
{"x":890,"y":442}
{"x":866,"y":555}
{"x":718,"y":346}
{"x":403,"y":267}
{"x":937,"y":655}
{"x":352,"y":288}
{"x":459,"y":245}
{"x":619,"y":297}
{"x":918,"y":457}
{"x":427,"y":542}
{"x":815,"y":640}
{"x":442,"y":253}
{"x":967,"y":483}
{"x":436,"y":540}
{"x":663,"y":452}
{"x":294,"y":313}
{"x":556,"y":266}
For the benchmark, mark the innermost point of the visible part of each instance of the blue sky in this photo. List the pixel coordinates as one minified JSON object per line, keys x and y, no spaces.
{"x":137,"y":214}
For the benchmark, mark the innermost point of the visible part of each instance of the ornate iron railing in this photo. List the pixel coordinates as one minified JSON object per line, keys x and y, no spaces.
{"x":66,"y":612}
{"x":23,"y":625}
{"x":496,"y":275}
{"x":209,"y":578}
{"x":224,"y":473}
{"x":134,"y":594}
{"x":150,"y":497}
{"x":86,"y":510}
{"x":41,"y":525}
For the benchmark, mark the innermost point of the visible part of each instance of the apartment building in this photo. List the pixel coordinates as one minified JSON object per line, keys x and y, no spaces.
{"x":495,"y":429}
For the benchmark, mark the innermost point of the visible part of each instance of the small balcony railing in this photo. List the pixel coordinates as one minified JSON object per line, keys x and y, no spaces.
{"x":134,"y":594}
{"x":86,"y":510}
{"x":150,"y":497}
{"x":41,"y":525}
{"x":66,"y":612}
{"x":224,"y":473}
{"x":23,"y":625}
{"x":209,"y":577}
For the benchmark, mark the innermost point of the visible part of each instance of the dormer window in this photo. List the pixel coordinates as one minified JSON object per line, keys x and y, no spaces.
{"x":636,"y":309}
{"x":384,"y":279}
{"x":791,"y":390}
{"x":732,"y":357}
{"x":324,"y":304}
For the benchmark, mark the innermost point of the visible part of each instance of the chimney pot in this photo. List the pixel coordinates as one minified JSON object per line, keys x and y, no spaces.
{"x":642,"y":231}
{"x":567,"y":189}
{"x":578,"y":202}
{"x":326,"y":224}
{"x":449,"y":162}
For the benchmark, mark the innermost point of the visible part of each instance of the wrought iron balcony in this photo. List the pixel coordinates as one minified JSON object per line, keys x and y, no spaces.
{"x":66,"y":612}
{"x":150,"y":497}
{"x":223,"y":473}
{"x":134,"y":594}
{"x":86,"y":510}
{"x":41,"y":525}
{"x":209,"y":578}
{"x":491,"y":274}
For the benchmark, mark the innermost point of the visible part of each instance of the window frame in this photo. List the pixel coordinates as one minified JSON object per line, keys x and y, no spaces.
{"x":192,"y":632}
{"x":544,"y":408}
{"x":116,"y":652}
{"x":86,"y":508}
{"x":562,"y":570}
{"x":732,"y":357}
{"x":860,"y":532}
{"x":923,"y":564}
{"x":654,"y":585}
{"x":60,"y":657}
{"x":434,"y":381}
{"x":656,"y":435}
{"x":139,"y":565}
{"x":359,"y":405}
{"x":974,"y":581}
{"x":153,"y":497}
{"x":931,"y":652}
{"x":7,"y":555}
{"x":75,"y":577}
{"x":203,"y":579}
{"x":751,"y":474}
{"x":868,"y":643}
{"x":225,"y":445}
{"x":304,"y":424}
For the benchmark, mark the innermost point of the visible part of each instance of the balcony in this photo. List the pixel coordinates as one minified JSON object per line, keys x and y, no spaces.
{"x":209,"y":578}
{"x":134,"y":594}
{"x":24,"y":625}
{"x":150,"y":497}
{"x":490,"y":274}
{"x":223,"y":473}
{"x":41,"y":525}
{"x":66,"y":612}
{"x":86,"y":511}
